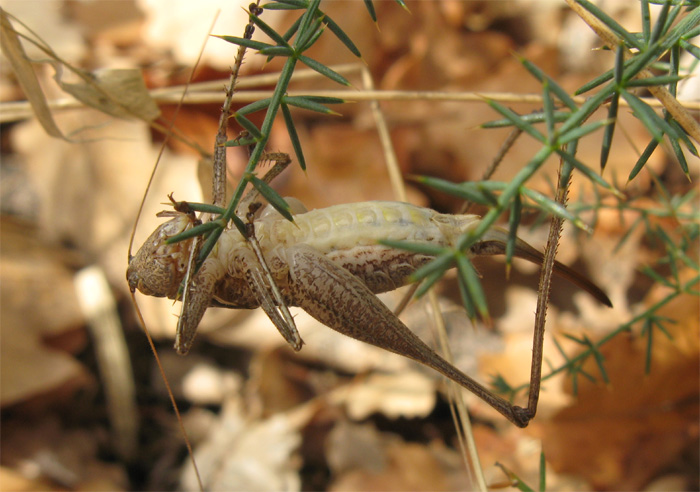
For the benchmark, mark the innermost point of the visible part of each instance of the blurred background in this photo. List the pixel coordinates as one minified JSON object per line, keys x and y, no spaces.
{"x":83,"y":404}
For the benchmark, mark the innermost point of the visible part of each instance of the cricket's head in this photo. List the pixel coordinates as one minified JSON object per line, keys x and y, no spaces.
{"x":158,"y":268}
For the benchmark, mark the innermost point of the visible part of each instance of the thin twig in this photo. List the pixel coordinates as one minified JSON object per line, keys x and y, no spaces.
{"x":14,"y":111}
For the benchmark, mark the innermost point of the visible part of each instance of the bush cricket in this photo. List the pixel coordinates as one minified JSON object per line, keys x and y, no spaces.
{"x":328,"y":262}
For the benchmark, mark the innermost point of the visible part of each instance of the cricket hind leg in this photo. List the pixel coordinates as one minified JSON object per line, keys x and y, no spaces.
{"x":342,"y":302}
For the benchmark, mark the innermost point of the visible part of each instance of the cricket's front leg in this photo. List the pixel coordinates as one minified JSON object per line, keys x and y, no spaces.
{"x":199,"y":293}
{"x":342,"y":302}
{"x":247,"y":265}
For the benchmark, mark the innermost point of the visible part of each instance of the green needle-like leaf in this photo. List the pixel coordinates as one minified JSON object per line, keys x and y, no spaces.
{"x":293,"y":136}
{"x":675,"y":63}
{"x":254,"y":106}
{"x":276,"y":37}
{"x":466,"y":299}
{"x":556,"y":89}
{"x":517,"y":121}
{"x":469,"y":191}
{"x":271,"y":196}
{"x":249,"y":126}
{"x":402,"y":4}
{"x":652,"y":121}
{"x":419,"y":248}
{"x":643,"y":159}
{"x":281,"y":6}
{"x":318,"y":29}
{"x":599,"y":80}
{"x":277,"y":51}
{"x":646,"y":21}
{"x":428,"y":283}
{"x":513,"y":223}
{"x":306,"y":21}
{"x":655,"y":276}
{"x":206,"y":207}
{"x":370,"y":9}
{"x":299,"y":4}
{"x":438,"y":266}
{"x":681,"y":158}
{"x":609,"y":132}
{"x":660,"y":24}
{"x":324,"y":70}
{"x":557,"y":116}
{"x":548,"y":111}
{"x":581,"y":131}
{"x":248,"y":43}
{"x":195,"y":231}
{"x":629,"y":39}
{"x":653,"y":81}
{"x":473,"y":285}
{"x":212,"y":239}
{"x":688,"y":143}
{"x":619,"y":67}
{"x":554,"y":208}
{"x":309,"y":27}
{"x":588,"y":172}
{"x":543,"y":473}
{"x":612,"y":110}
{"x":344,"y":38}
{"x":690,"y":48}
{"x":309,"y":103}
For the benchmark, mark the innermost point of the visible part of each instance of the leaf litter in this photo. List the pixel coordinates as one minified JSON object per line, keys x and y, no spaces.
{"x":303,"y":421}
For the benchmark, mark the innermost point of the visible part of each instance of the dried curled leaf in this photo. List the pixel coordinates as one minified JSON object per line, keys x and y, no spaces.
{"x":119,"y":92}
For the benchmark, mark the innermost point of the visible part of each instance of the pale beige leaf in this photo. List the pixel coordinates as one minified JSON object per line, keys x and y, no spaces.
{"x":26,"y":77}
{"x":240,"y":454}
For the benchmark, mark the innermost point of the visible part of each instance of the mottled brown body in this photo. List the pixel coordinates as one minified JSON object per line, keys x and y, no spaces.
{"x":347,"y":235}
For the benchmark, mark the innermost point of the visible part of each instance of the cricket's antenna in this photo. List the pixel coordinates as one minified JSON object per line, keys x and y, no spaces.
{"x":130,"y":256}
{"x":167,"y":134}
{"x":169,"y":390}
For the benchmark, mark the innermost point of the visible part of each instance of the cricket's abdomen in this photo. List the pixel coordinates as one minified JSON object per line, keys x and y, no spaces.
{"x":348,"y":235}
{"x":342,"y":227}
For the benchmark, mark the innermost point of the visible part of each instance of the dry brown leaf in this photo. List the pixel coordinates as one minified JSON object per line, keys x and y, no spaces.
{"x":621,"y":435}
{"x":280,"y":381}
{"x":364,"y":459}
